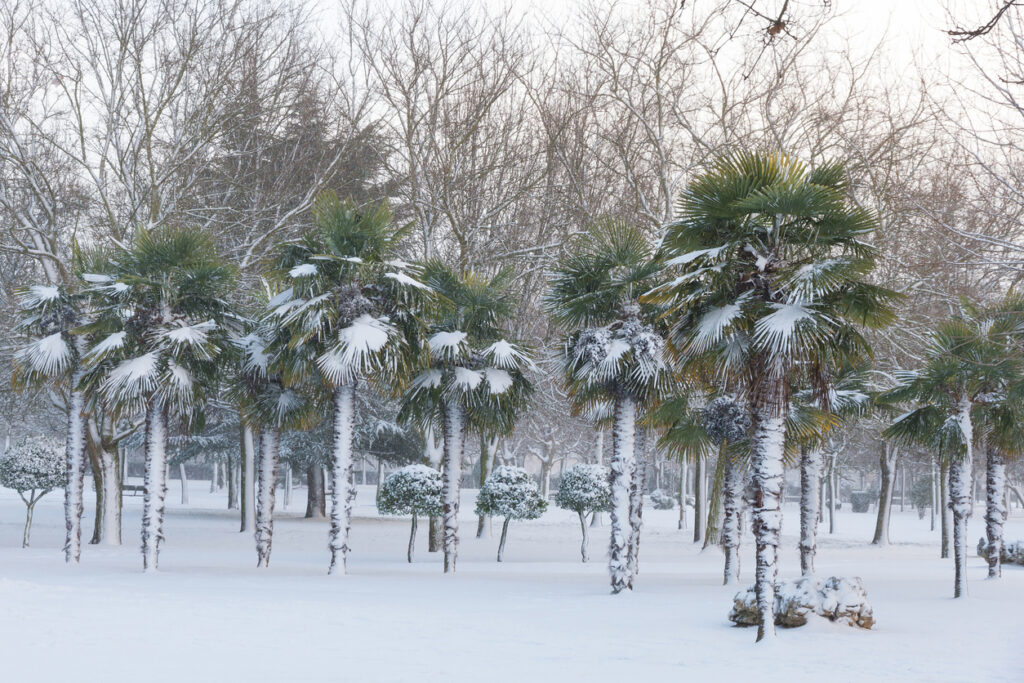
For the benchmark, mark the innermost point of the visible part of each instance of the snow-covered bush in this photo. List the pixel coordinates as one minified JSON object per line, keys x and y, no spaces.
{"x":411,"y":490}
{"x":584,"y":489}
{"x":726,"y":419}
{"x":662,"y":500}
{"x":509,"y":492}
{"x":33,"y":468}
{"x":837,"y":599}
{"x":1012,"y":553}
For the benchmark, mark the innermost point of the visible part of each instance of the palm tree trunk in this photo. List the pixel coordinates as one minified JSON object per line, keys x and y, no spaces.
{"x":810,"y":473}
{"x":74,"y":466}
{"x":451,"y":479}
{"x":769,"y":418}
{"x":833,"y":492}
{"x":887,"y":463}
{"x":270,"y":458}
{"x":733,"y":504}
{"x":944,"y":511}
{"x":621,"y":474}
{"x":155,"y":484}
{"x":504,"y":535}
{"x":636,"y":501}
{"x":995,"y":509}
{"x":232,"y":484}
{"x":682,"y":494}
{"x":586,"y":538}
{"x":487,"y":448}
{"x":961,"y":499}
{"x":316,"y":504}
{"x":698,"y":501}
{"x":343,"y":493}
{"x":183,"y":476}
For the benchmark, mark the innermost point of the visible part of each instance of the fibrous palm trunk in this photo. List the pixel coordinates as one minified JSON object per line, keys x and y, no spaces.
{"x":733,"y":504}
{"x":156,"y":483}
{"x":810,"y":473}
{"x":698,"y":501}
{"x":74,"y":466}
{"x":944,"y":511}
{"x":960,"y":499}
{"x":713,"y":532}
{"x":887,"y":463}
{"x":621,"y":472}
{"x":488,"y":445}
{"x":270,"y":458}
{"x":636,"y":502}
{"x":995,"y":509}
{"x":451,"y":479}
{"x":769,"y":426}
{"x":343,"y":493}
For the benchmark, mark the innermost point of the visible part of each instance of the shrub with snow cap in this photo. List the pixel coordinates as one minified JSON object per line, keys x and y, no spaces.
{"x":411,"y":490}
{"x":33,"y":468}
{"x":584,"y":489}
{"x":726,"y":419}
{"x":509,"y":492}
{"x":661,"y":500}
{"x":837,"y":599}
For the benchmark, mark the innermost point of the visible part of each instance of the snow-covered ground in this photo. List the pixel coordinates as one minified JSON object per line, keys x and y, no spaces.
{"x":210,"y":615}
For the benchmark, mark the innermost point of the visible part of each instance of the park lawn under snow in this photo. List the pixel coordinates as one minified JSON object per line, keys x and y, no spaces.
{"x":210,"y":615}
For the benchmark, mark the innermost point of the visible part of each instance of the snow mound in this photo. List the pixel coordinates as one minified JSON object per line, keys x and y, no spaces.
{"x":1010,"y":553}
{"x":837,"y":599}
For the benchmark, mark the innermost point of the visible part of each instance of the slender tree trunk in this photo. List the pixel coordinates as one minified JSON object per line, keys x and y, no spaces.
{"x":933,"y":491}
{"x":623,"y":453}
{"x":287,"y":485}
{"x":316,"y":505}
{"x":733,"y":504}
{"x":270,"y":458}
{"x":887,"y":462}
{"x":995,"y":509}
{"x":232,"y":484}
{"x":184,"y":483}
{"x":586,"y":537}
{"x":682,"y":494}
{"x":713,"y":532}
{"x":698,"y":501}
{"x":810,"y":473}
{"x":595,"y":517}
{"x":248,"y":453}
{"x":487,"y":447}
{"x":961,"y":499}
{"x":451,"y":479}
{"x":343,"y":493}
{"x":636,"y":501}
{"x":769,"y":417}
{"x":946,"y":523}
{"x":504,"y":535}
{"x":30,"y":505}
{"x":106,"y":474}
{"x":412,"y":539}
{"x":156,"y":484}
{"x":74,"y":469}
{"x":833,"y":493}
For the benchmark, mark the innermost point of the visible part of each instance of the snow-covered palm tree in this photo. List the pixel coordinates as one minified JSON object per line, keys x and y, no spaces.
{"x":612,"y":354}
{"x":162,"y":331}
{"x":965,"y":394}
{"x":474,"y":377}
{"x":269,"y":402}
{"x":771,"y":285}
{"x":49,"y":316}
{"x":352,"y":307}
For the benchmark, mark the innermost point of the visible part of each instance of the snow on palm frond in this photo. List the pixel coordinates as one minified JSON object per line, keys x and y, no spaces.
{"x":354,"y":353}
{"x":193,"y":337}
{"x":690,"y":256}
{"x":814,"y":280}
{"x":111,"y":342}
{"x":505,"y":355}
{"x":447,"y":346}
{"x":304,"y":270}
{"x":774,"y":332}
{"x":39,"y":295}
{"x":466,"y":380}
{"x":403,"y":279}
{"x":498,"y":380}
{"x":255,"y":358}
{"x":428,"y":379}
{"x":178,"y":380}
{"x":47,"y":357}
{"x":281,"y":298}
{"x":96,"y":278}
{"x":132,"y":379}
{"x":288,"y":403}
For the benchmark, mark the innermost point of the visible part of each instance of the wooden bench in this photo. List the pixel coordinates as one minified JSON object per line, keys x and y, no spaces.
{"x":133,"y":490}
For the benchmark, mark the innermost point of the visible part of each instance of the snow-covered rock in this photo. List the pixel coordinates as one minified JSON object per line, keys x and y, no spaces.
{"x":662,"y":500}
{"x":838,"y":599}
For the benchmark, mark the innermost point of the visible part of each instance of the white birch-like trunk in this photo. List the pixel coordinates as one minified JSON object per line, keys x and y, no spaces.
{"x":621,"y":466}
{"x":732,"y":501}
{"x":636,"y":501}
{"x":266,"y":488}
{"x":810,"y":474}
{"x":248,"y":483}
{"x":767,"y":472}
{"x":155,"y":482}
{"x":586,"y":536}
{"x":451,"y":479}
{"x":110,"y":510}
{"x":184,"y":483}
{"x":74,"y":467}
{"x":343,"y":493}
{"x":960,"y":498}
{"x":995,"y":509}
